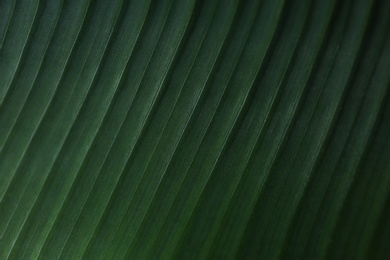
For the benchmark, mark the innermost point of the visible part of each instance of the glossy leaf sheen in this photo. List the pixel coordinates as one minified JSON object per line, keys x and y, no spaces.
{"x":194,"y":129}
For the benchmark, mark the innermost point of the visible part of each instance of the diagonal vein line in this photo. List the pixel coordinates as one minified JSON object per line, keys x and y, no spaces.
{"x":7,"y":25}
{"x":97,"y":69}
{"x":34,"y":21}
{"x":105,"y":158}
{"x":119,"y":81}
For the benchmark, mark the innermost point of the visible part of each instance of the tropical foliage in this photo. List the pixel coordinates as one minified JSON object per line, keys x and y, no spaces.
{"x":194,"y":129}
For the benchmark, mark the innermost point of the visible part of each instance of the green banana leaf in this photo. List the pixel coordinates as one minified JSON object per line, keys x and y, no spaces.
{"x":194,"y":129}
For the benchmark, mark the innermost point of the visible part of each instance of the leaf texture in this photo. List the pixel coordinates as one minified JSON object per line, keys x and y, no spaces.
{"x":194,"y":129}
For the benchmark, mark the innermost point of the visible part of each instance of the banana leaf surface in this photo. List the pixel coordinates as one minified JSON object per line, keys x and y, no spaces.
{"x":194,"y":129}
